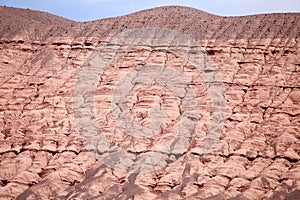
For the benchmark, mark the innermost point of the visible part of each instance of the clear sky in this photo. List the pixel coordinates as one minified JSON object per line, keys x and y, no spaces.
{"x":86,"y":10}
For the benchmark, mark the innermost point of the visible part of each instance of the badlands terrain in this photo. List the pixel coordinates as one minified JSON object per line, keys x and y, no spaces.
{"x":165,"y":103}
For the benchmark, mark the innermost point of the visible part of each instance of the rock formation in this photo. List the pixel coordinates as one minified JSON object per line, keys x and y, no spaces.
{"x":61,"y":125}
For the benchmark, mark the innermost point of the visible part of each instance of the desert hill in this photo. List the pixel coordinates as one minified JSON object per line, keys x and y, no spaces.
{"x":199,"y":24}
{"x":72,"y":92}
{"x":16,"y":21}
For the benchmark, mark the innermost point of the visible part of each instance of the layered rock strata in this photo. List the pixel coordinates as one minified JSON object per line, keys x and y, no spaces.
{"x":43,"y":154}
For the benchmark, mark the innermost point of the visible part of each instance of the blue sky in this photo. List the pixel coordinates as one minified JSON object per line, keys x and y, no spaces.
{"x":86,"y":10}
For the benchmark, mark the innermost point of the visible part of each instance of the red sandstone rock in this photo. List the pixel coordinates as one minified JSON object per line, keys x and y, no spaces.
{"x":42,"y":153}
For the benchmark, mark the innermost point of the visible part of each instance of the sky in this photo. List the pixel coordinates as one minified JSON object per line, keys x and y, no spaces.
{"x":87,"y":10}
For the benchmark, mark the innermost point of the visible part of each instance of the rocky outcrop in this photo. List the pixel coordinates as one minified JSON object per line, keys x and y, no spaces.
{"x":245,"y":147}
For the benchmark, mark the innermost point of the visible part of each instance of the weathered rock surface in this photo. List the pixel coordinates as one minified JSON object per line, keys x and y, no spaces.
{"x":256,"y":156}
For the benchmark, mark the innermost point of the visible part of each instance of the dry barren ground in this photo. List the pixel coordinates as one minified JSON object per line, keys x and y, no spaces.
{"x":143,"y":122}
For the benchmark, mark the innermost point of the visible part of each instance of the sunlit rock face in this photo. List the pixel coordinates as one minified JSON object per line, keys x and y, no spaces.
{"x":166,"y":103}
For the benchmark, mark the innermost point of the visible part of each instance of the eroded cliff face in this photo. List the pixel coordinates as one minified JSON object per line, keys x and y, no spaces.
{"x":44,"y":153}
